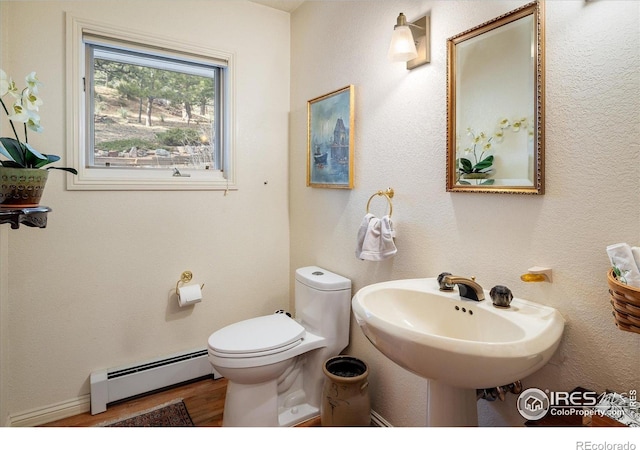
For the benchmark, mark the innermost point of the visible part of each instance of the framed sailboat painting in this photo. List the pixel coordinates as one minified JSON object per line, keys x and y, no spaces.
{"x":330,"y":140}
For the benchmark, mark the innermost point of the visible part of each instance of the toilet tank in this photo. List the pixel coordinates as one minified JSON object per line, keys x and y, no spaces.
{"x":323,"y":305}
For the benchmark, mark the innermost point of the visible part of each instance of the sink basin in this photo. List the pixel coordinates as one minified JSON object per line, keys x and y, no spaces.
{"x":456,"y":342}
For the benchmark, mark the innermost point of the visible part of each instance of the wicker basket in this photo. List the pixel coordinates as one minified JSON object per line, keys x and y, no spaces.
{"x":626,"y":304}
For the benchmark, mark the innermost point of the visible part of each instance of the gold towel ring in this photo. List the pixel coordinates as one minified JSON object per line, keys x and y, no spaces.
{"x":388,"y":194}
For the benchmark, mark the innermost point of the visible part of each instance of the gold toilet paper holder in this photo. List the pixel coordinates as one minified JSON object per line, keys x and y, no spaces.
{"x":185,"y":277}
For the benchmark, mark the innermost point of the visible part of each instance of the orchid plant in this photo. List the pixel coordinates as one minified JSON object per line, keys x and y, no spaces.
{"x":26,"y":104}
{"x":480,"y":149}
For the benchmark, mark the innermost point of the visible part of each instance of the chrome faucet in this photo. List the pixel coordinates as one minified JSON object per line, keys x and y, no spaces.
{"x":467,"y":287}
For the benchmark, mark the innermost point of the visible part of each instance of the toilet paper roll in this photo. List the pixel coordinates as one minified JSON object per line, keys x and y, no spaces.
{"x":188,"y":295}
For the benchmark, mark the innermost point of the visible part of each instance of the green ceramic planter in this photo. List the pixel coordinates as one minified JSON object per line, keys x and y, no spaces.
{"x":21,"y":188}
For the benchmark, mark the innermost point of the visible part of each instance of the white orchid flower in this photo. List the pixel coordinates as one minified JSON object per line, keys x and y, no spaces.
{"x":18,"y":112}
{"x":7,"y":85}
{"x":26,"y":116}
{"x":33,"y":123}
{"x":32,"y":82}
{"x":32,"y":101}
{"x":504,"y":123}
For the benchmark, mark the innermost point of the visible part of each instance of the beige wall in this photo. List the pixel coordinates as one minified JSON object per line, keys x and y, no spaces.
{"x":592,"y":180}
{"x":92,"y":290}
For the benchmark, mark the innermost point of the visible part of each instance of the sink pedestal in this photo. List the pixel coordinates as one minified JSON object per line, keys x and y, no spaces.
{"x":449,"y":406}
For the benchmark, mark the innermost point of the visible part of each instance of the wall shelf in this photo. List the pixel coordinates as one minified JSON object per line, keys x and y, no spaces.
{"x":31,"y":217}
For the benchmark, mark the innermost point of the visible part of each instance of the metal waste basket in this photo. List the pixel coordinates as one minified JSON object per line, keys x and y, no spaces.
{"x":345,"y":394}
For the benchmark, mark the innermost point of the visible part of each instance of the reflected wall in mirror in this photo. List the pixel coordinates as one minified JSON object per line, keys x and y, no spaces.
{"x":495,"y":96}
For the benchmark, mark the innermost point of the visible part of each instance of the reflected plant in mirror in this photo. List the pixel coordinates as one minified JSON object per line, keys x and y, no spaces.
{"x":480,"y":153}
{"x":480,"y":167}
{"x":495,"y":99}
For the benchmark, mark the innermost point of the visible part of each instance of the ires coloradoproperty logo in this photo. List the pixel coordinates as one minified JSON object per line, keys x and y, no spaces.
{"x":534,"y":404}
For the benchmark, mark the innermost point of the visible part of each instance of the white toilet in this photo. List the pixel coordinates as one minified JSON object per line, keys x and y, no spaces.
{"x":273,"y":364}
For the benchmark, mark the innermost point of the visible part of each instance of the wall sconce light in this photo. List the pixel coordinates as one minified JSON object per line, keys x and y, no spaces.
{"x":409,"y":42}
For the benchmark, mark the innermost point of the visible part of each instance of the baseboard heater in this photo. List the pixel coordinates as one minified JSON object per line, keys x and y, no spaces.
{"x":115,"y":384}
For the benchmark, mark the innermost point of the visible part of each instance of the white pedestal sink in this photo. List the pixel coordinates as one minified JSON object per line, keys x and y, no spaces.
{"x":459,"y":345}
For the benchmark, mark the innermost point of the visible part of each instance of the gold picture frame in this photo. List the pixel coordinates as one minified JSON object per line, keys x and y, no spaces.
{"x":496,"y":105}
{"x":330,"y":137}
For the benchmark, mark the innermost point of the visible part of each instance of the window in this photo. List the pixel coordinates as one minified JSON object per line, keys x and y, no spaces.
{"x":148,"y":113}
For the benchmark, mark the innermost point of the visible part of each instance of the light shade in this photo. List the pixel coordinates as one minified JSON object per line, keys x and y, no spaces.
{"x":403,"y":47}
{"x":410,"y":41}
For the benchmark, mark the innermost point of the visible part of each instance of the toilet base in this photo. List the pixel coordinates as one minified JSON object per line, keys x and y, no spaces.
{"x":262,"y":400}
{"x":256,"y":405}
{"x":297,"y":414}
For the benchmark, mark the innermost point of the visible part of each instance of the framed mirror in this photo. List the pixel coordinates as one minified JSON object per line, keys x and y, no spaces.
{"x":495,"y":110}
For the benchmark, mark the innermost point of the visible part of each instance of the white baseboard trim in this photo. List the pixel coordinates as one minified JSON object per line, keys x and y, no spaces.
{"x":57,"y":411}
{"x":80,"y":405}
{"x":378,"y":421}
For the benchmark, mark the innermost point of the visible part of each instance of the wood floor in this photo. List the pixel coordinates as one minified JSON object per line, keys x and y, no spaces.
{"x":204,"y":400}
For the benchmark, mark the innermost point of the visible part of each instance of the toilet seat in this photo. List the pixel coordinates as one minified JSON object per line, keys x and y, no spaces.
{"x":255,"y":354}
{"x":259,"y":336}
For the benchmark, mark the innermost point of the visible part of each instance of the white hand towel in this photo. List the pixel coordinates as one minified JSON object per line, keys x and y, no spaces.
{"x":378,"y":240}
{"x":621,"y":257}
{"x":362,"y":232}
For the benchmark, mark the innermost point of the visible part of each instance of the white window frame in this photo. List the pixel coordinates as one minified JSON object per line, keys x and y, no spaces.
{"x":97,"y":178}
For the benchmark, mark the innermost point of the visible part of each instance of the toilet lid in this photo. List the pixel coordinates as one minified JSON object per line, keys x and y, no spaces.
{"x":259,"y":334}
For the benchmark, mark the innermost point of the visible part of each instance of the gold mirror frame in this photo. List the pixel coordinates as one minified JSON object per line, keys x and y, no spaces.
{"x":461,"y":181}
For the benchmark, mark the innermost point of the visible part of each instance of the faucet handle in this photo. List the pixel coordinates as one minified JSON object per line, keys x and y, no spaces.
{"x":501,"y":296}
{"x":444,"y":286}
